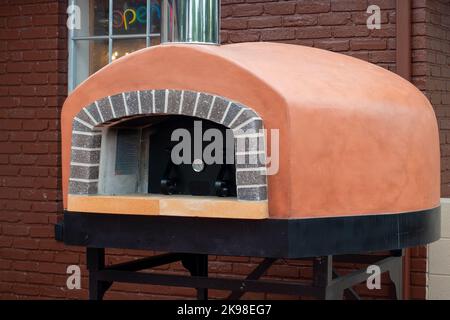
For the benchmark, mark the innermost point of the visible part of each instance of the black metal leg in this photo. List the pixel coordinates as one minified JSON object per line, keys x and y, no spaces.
{"x":396,"y":275}
{"x":323,"y":276}
{"x":197,"y":264}
{"x":95,"y":259}
{"x":349,"y":293}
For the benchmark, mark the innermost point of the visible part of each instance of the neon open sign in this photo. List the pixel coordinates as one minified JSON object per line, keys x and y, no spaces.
{"x":131,"y":16}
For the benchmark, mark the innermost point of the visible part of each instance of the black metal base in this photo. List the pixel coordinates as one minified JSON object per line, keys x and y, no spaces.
{"x":326,"y":283}
{"x":341,"y":239}
{"x":269,"y":238}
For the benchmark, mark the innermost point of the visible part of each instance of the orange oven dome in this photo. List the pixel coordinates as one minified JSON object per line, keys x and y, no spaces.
{"x":354,"y":139}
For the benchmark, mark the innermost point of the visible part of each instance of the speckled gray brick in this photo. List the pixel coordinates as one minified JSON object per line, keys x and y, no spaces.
{"x":119,"y":106}
{"x":83,"y":141}
{"x":86,"y":156}
{"x":233,"y":111}
{"x":203,"y":105}
{"x":189,"y":99}
{"x":146,"y":101}
{"x":254,"y":126}
{"x":160,"y":101}
{"x":243,"y":117}
{"x":79,"y":172}
{"x":250,"y":144}
{"x":131,"y":98}
{"x":92,"y":109}
{"x":252,"y":194}
{"x":251,"y":177}
{"x":250,"y":159}
{"x":105,"y":109}
{"x":173,"y":105}
{"x":81,"y":188}
{"x":82,"y":115}
{"x":218,"y":110}
{"x":77,"y":126}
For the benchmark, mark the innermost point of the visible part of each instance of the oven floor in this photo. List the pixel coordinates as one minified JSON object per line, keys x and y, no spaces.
{"x":162,"y":205}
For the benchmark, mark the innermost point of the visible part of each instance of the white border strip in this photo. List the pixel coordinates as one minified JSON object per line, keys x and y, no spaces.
{"x":166,"y":101}
{"x":250,"y":153}
{"x":251,"y":169}
{"x":84,"y":123}
{"x":153,"y":102}
{"x":83,"y":180}
{"x":180,"y":109}
{"x":196,"y":103}
{"x":237,"y":117}
{"x":249,"y":135}
{"x":99,"y":112}
{"x":252,"y":186}
{"x":86,"y":149}
{"x":90,"y":116}
{"x":127,"y":112}
{"x":211,"y":107}
{"x":88,"y":165}
{"x":139,"y":102}
{"x":82,"y":133}
{"x":226,"y":112}
{"x":112,"y":107}
{"x":246,"y":123}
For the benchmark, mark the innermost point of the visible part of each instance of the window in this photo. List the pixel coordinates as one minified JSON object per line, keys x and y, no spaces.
{"x":109,"y":30}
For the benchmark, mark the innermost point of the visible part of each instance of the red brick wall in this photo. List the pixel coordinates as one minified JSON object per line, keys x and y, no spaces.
{"x":33,"y":63}
{"x":438,"y":77}
{"x":33,"y":67}
{"x":336,"y":25}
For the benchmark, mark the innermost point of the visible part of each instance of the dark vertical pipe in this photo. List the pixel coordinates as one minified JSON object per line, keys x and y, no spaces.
{"x":404,"y":66}
{"x":404,"y":40}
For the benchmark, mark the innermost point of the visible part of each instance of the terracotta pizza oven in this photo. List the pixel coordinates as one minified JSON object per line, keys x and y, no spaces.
{"x":253,"y":149}
{"x":350,"y":138}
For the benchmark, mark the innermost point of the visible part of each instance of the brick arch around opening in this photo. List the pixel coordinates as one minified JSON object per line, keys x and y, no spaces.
{"x":251,"y":177}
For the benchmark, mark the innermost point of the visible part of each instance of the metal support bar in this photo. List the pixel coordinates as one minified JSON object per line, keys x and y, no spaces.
{"x":95,"y":258}
{"x":393,"y":265}
{"x":323,"y":286}
{"x":147,"y":263}
{"x":322,"y":274}
{"x":349,"y":292}
{"x":259,"y":271}
{"x":211,"y":282}
{"x":197,"y":264}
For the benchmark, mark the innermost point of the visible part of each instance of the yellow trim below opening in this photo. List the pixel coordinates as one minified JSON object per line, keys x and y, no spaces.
{"x":182,"y":206}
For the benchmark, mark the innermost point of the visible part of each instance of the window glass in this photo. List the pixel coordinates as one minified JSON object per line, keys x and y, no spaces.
{"x":92,"y":55}
{"x":155,"y":16}
{"x":124,"y":47}
{"x":109,"y":32}
{"x":130,"y":17}
{"x":94,"y":15}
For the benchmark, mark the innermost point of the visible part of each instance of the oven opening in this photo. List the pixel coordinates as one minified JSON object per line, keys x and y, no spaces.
{"x":176,"y":167}
{"x":168,"y":155}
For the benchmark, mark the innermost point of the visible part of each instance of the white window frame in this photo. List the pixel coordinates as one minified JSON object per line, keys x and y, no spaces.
{"x":110,"y":37}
